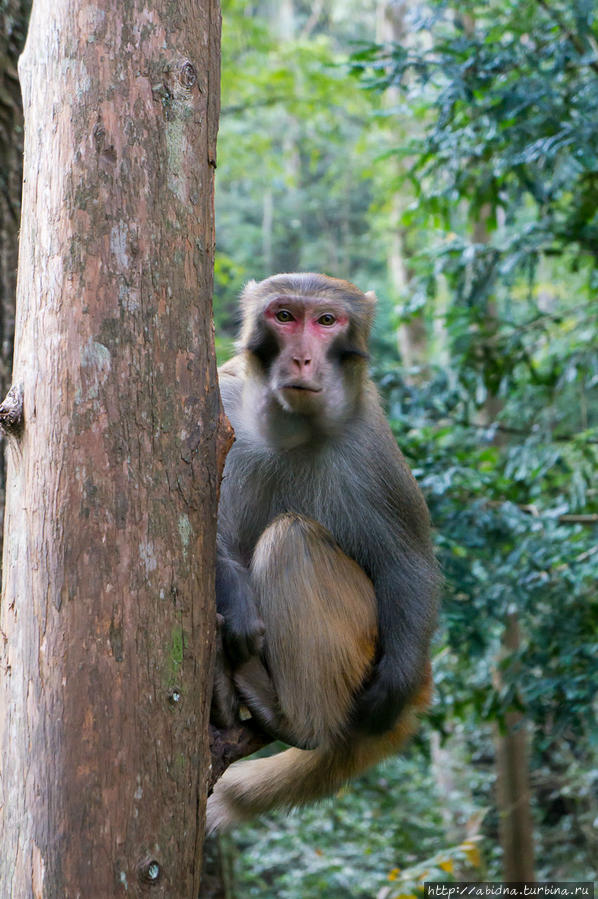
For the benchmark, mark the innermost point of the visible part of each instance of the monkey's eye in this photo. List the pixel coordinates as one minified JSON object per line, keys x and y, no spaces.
{"x":327,"y":319}
{"x":283,"y":315}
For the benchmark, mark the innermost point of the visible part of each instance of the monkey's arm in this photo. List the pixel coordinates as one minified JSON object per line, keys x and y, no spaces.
{"x":243,"y":629}
{"x":406,"y":591}
{"x":404,"y":572}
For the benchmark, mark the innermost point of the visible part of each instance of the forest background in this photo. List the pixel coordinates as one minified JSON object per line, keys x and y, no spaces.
{"x":446,"y":156}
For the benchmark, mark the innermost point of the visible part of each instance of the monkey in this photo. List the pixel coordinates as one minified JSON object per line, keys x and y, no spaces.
{"x":326,"y":578}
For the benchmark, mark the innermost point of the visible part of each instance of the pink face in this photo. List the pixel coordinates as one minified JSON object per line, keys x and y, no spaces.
{"x":305,"y":329}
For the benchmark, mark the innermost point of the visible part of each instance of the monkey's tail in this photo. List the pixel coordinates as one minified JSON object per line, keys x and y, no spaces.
{"x":297,"y":776}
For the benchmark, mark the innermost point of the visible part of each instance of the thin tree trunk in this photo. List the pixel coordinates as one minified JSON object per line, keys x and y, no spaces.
{"x":512,"y":784}
{"x":286,"y":19}
{"x":412,"y":335}
{"x":267,"y":224}
{"x":218,"y":880}
{"x":107,"y":616}
{"x":512,"y":768}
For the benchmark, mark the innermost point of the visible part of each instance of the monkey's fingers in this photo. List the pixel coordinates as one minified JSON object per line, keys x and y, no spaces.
{"x":243,"y":638}
{"x":385,"y":696}
{"x":225,"y":703}
{"x":378,"y":705}
{"x":257,"y":691}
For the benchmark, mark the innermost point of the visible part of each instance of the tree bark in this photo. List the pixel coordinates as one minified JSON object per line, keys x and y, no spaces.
{"x":107,"y":618}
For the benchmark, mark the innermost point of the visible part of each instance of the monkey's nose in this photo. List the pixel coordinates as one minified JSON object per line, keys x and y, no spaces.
{"x":301,"y":362}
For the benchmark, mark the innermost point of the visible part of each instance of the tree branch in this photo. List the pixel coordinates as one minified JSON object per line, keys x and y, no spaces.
{"x":587,"y":518}
{"x":11,"y":412}
{"x":233,"y":743}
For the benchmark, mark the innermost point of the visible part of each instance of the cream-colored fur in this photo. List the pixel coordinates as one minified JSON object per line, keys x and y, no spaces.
{"x":320,"y":614}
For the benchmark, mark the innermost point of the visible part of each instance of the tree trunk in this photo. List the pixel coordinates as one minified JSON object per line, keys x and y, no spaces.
{"x":107,"y":618}
{"x":267,"y":225}
{"x":512,"y":784}
{"x":412,"y":337}
{"x":218,"y":879}
{"x":513,"y":794}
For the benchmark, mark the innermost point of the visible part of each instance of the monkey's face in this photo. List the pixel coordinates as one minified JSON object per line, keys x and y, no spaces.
{"x":307,"y":339}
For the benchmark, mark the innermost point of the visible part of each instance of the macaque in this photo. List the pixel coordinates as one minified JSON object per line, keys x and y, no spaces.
{"x":326,"y":579}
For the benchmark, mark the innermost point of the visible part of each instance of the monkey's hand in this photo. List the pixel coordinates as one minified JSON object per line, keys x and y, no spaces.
{"x":242,"y":628}
{"x":243,"y":632}
{"x":382,"y":699}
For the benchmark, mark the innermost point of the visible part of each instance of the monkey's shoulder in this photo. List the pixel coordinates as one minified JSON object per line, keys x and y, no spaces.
{"x":369,"y":441}
{"x":231,"y":376}
{"x":379,"y":469}
{"x":236,"y":367}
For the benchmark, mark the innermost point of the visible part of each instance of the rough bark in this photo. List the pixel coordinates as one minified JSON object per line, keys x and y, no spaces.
{"x":107,"y":611}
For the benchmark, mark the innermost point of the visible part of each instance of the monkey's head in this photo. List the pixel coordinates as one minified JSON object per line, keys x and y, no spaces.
{"x":306,"y":340}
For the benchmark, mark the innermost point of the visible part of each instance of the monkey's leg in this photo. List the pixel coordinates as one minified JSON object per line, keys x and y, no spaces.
{"x":320,"y":616}
{"x":319,"y":611}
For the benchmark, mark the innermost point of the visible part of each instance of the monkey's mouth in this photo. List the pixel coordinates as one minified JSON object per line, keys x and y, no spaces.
{"x":307,"y":388}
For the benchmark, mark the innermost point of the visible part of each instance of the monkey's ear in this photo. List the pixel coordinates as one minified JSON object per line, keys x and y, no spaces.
{"x":370,"y":309}
{"x":248,"y":289}
{"x":249,"y":304}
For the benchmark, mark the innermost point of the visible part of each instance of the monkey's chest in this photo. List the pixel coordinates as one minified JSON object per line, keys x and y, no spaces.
{"x":316,"y":491}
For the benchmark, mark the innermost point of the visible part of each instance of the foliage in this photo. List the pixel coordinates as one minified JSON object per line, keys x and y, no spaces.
{"x":506,"y":90}
{"x":294,"y":178}
{"x":506,"y":544}
{"x":504,"y":433}
{"x":513,"y":86}
{"x":369,"y":842}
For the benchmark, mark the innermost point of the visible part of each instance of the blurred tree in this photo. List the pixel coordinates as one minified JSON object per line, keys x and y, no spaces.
{"x":393,"y":28}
